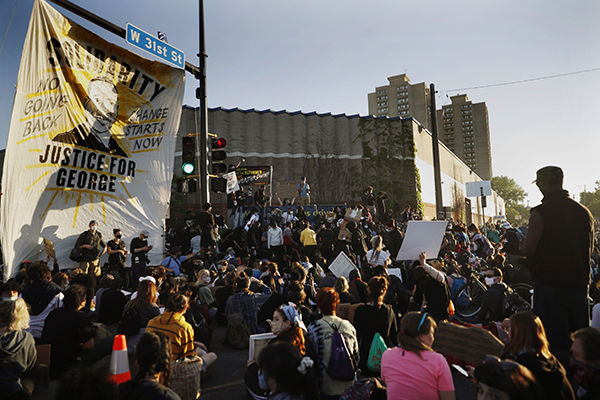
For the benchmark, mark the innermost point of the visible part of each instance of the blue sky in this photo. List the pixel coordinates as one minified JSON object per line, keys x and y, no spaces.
{"x":326,"y":55}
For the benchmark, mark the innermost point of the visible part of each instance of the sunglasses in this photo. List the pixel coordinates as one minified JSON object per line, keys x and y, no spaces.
{"x":504,"y":365}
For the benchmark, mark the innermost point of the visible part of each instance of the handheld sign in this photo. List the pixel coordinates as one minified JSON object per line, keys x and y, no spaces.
{"x":145,"y":41}
{"x":422,"y":236}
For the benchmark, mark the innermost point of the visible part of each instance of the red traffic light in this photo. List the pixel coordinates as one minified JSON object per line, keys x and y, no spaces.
{"x":187,"y":143}
{"x":219,"y":143}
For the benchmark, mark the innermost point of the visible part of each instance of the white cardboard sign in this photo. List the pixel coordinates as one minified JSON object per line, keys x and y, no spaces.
{"x":342,"y":266}
{"x":422,"y":236}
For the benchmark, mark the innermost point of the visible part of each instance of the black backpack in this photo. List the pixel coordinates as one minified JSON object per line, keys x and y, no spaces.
{"x":514,"y":303}
{"x":130,"y":323}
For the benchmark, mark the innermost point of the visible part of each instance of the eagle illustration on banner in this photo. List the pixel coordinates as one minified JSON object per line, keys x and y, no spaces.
{"x":92,"y":137}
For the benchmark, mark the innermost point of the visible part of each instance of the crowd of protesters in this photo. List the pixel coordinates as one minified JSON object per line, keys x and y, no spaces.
{"x":270,"y":272}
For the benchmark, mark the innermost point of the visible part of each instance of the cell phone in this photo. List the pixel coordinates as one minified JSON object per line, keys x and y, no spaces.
{"x":462,"y":371}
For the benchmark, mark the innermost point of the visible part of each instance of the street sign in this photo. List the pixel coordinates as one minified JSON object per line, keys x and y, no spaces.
{"x":145,"y":41}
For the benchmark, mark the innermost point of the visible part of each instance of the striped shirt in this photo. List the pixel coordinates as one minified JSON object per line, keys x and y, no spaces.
{"x":180,"y":332}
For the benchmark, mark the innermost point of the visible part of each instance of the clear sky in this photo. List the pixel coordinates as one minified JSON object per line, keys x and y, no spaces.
{"x":326,"y":55}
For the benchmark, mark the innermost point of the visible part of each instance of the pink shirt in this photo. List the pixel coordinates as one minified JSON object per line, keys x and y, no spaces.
{"x":410,"y":378}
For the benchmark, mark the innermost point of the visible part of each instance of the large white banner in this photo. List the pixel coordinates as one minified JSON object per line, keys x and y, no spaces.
{"x":92,"y":137}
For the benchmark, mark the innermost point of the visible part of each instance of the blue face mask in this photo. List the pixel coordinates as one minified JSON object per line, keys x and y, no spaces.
{"x":262,"y":380}
{"x":9,"y":298}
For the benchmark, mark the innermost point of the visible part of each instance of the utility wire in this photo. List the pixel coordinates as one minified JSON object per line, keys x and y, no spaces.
{"x":524,"y":80}
{"x":8,"y":27}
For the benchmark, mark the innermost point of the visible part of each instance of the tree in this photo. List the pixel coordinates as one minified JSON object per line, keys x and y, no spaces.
{"x":592,"y":200}
{"x":512,"y":193}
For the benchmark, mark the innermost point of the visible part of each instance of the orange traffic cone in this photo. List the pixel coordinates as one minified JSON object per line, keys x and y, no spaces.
{"x":119,"y":363}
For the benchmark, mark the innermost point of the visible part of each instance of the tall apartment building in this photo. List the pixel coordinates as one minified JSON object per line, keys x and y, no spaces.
{"x":463,"y":127}
{"x":401,"y":99}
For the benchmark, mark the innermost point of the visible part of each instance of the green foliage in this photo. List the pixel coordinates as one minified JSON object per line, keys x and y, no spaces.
{"x":512,"y":193}
{"x":389,"y":160}
{"x":592,"y":200}
{"x":516,"y":210}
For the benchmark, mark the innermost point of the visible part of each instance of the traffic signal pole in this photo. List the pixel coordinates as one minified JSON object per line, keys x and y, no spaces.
{"x":202,"y":144}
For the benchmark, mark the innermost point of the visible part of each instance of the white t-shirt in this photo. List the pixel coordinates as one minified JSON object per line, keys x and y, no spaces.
{"x":376,"y":258}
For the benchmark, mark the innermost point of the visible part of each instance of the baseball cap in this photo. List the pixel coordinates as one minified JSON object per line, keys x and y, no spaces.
{"x":549,"y":172}
{"x":145,"y":233}
{"x":506,"y":225}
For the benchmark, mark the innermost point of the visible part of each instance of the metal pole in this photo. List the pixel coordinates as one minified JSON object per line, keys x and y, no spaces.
{"x":109,"y":26}
{"x":202,"y":144}
{"x":437,"y":174}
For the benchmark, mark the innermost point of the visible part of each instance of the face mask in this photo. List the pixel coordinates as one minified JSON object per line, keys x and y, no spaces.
{"x":118,"y":236}
{"x":9,"y":298}
{"x":490,"y":281}
{"x":262,"y":380}
{"x":206,"y":279}
{"x":276,"y":327}
{"x":587,"y":375}
{"x":471,"y":234}
{"x":94,"y":228}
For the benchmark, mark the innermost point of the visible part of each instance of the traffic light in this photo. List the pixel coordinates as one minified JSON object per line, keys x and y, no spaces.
{"x":218,"y":155}
{"x":188,"y":156}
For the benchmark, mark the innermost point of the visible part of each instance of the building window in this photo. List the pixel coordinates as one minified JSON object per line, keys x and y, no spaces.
{"x":401,"y":87}
{"x":402,"y":94}
{"x":382,"y":104}
{"x":382,"y":110}
{"x":465,"y":106}
{"x":467,"y":117}
{"x":467,"y":122}
{"x":382,"y":98}
{"x":402,"y":106}
{"x":381,"y":91}
{"x":466,"y":112}
{"x":404,"y":112}
{"x":403,"y":100}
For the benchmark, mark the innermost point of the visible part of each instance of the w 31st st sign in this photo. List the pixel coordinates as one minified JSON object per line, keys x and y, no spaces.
{"x":145,"y":41}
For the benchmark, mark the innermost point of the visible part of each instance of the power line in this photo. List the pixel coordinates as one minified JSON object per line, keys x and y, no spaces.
{"x":525,"y":80}
{"x":6,"y":33}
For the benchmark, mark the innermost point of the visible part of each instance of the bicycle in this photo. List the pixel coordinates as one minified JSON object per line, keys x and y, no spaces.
{"x":467,"y":300}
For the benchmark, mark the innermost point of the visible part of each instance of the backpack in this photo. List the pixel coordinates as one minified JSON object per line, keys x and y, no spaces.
{"x":485,"y":248}
{"x":342,"y":366}
{"x":514,"y":303}
{"x":521,"y":238}
{"x":366,"y":389}
{"x":130,"y":324}
{"x":237,"y":334}
{"x":463,"y":299}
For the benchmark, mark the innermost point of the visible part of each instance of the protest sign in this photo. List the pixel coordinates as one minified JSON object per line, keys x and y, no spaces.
{"x":468,"y":344}
{"x":422,"y":236}
{"x":342,"y":266}
{"x":351,"y":215}
{"x":257,"y":343}
{"x":49,"y":248}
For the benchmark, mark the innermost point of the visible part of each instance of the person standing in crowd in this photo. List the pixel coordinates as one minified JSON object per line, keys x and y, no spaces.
{"x":558,"y":247}
{"x":89,"y":243}
{"x":380,"y":207}
{"x":117,"y":256}
{"x":368,"y":199}
{"x":510,"y":243}
{"x":308,"y":238}
{"x":304,"y":192}
{"x":139,"y":257}
{"x":207,"y":224}
{"x":275,"y":241}
{"x":394,"y":238}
